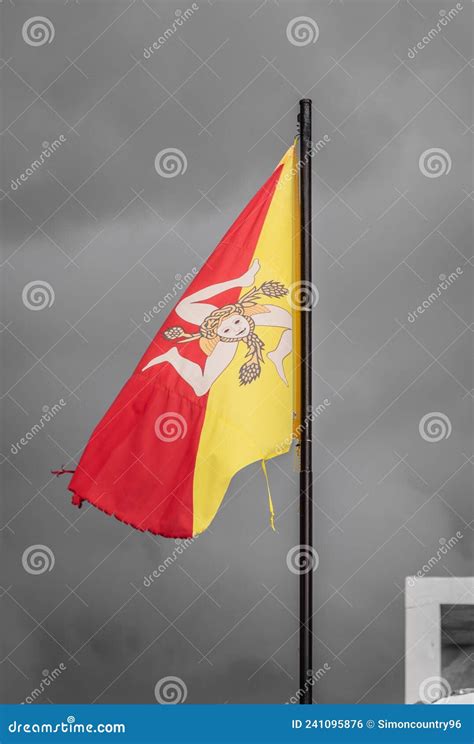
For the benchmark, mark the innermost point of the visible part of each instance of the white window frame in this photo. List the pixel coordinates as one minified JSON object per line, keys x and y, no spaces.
{"x":423,"y":599}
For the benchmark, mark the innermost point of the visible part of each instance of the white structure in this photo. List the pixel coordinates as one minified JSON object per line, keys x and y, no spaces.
{"x":423,"y":599}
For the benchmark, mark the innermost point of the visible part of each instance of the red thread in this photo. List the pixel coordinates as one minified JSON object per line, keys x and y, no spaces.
{"x":57,"y":473}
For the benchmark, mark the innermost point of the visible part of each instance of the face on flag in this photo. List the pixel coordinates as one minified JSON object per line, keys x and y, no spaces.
{"x":214,"y":391}
{"x":222,"y":329}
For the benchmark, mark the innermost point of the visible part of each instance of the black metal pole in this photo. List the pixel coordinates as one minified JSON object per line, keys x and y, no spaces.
{"x":306,"y":474}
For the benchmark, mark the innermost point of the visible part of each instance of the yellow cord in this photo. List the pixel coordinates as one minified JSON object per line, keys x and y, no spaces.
{"x":270,"y":502}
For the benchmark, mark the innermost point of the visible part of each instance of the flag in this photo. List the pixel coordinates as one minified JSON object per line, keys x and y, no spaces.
{"x":215,"y":389}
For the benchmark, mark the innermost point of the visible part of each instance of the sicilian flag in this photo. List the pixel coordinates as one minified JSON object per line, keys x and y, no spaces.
{"x":215,"y":389}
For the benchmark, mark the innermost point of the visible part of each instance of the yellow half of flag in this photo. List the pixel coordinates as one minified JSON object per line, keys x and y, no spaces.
{"x":244,"y":424}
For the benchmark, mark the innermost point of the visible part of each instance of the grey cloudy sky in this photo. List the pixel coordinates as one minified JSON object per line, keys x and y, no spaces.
{"x":108,"y":235}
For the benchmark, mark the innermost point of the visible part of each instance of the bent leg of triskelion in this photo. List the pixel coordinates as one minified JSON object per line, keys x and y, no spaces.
{"x":192,"y":309}
{"x":199,"y":379}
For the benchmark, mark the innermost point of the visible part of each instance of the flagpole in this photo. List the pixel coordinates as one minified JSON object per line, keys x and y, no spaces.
{"x":306,"y":474}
